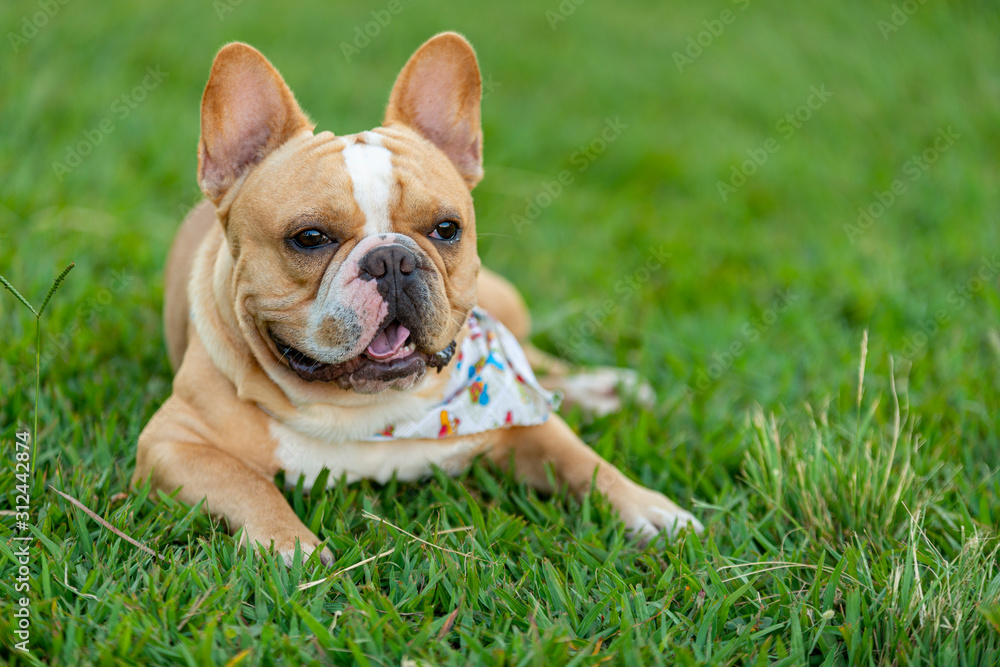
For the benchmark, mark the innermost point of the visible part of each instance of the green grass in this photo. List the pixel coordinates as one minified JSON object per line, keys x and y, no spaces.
{"x":839,"y":530}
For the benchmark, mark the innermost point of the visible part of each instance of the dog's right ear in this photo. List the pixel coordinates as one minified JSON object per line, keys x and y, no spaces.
{"x":247,"y":112}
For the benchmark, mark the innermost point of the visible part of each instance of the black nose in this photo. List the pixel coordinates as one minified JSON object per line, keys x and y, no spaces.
{"x":391,"y":266}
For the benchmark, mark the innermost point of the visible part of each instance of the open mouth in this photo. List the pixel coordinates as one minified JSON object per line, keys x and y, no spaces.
{"x":392,"y":342}
{"x":391,"y":356}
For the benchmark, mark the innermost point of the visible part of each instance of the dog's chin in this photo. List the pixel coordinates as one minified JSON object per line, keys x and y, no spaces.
{"x":364,"y":374}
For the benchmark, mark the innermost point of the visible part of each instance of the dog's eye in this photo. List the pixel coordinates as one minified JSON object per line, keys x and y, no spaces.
{"x":446,"y":231}
{"x":311,"y":238}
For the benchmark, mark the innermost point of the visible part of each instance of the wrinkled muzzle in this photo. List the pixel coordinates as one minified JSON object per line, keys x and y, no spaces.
{"x":379,"y":320}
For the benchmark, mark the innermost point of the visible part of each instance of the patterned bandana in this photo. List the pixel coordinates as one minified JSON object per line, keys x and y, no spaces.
{"x":491,"y":387}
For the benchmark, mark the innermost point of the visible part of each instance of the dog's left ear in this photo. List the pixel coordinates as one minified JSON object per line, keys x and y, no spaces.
{"x":438,"y":94}
{"x":247,"y":111}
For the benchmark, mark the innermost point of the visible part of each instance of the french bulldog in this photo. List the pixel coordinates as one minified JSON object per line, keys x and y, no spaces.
{"x":325,"y":308}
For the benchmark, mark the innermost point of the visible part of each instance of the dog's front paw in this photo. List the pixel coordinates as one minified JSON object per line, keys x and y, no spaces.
{"x":600,"y":391}
{"x":282,"y":541}
{"x":646,"y":512}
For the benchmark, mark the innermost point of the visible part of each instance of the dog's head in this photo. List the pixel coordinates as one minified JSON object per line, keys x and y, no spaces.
{"x":354,"y":257}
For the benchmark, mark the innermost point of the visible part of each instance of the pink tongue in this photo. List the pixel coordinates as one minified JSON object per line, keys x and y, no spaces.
{"x":389,"y":342}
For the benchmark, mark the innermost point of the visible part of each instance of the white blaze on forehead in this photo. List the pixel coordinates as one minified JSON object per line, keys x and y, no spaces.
{"x":369,"y":165}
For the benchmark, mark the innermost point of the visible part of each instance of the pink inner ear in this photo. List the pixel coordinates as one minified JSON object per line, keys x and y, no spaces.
{"x":435,"y":100}
{"x":247,"y":111}
{"x":442,"y":116}
{"x":241,"y":141}
{"x":231,"y":155}
{"x":438,"y":93}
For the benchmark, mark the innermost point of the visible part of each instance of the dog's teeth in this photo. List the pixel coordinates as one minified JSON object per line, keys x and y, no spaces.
{"x":411,"y":347}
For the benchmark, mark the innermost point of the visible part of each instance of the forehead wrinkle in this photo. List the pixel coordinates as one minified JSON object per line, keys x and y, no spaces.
{"x":421,"y":204}
{"x":315,"y":186}
{"x":414,"y":149}
{"x":307,"y":179}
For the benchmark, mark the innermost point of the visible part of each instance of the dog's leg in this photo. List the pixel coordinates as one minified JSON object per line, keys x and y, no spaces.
{"x":575,"y":465}
{"x":598,"y":390}
{"x":175,"y":458}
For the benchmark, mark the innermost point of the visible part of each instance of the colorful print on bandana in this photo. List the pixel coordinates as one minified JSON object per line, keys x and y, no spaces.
{"x":491,"y":387}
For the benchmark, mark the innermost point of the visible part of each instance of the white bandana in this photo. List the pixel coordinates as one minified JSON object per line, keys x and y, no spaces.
{"x":491,"y":387}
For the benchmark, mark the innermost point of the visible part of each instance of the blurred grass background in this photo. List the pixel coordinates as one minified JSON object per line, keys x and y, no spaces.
{"x":922,"y":279}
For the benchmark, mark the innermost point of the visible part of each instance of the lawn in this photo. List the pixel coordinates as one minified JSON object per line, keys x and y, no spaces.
{"x":785,"y":215}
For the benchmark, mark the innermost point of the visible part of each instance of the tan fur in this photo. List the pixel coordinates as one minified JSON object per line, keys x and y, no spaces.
{"x":238,"y":414}
{"x":176,"y":315}
{"x":495,"y":293}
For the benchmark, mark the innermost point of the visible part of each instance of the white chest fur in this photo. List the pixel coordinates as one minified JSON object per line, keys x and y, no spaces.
{"x":409,"y":460}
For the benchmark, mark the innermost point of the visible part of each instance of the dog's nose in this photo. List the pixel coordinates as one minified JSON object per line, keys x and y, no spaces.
{"x":388,"y":265}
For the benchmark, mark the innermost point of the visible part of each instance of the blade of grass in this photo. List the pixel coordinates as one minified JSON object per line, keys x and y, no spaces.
{"x":18,"y":295}
{"x":93,"y":515}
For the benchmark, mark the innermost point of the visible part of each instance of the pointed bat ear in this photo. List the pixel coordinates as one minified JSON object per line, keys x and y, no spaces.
{"x":438,"y":94}
{"x":247,"y":111}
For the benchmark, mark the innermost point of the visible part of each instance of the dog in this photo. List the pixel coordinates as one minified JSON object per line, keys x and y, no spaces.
{"x":325,"y":308}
